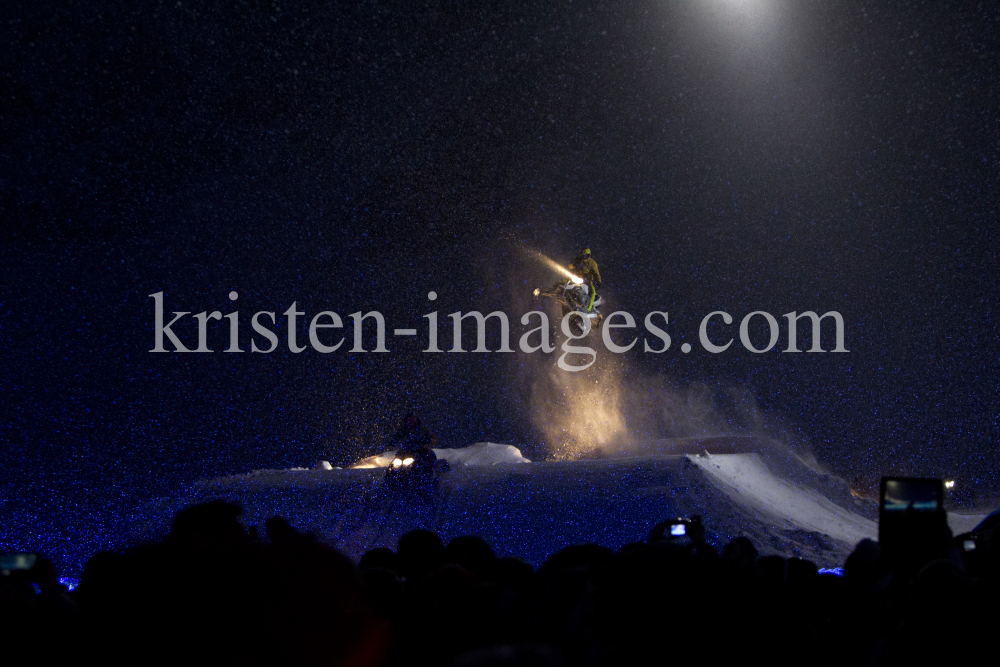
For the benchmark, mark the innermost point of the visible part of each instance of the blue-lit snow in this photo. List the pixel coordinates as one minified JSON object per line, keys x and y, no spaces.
{"x":534,"y":509}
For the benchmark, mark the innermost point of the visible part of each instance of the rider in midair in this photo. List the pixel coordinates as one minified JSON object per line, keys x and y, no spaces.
{"x":586,"y":268}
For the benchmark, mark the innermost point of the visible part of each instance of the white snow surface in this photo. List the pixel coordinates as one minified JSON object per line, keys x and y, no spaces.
{"x":478,"y":454}
{"x":746,"y":479}
{"x":963,"y":522}
{"x":784,"y":504}
{"x":780,"y":502}
{"x":482,"y":454}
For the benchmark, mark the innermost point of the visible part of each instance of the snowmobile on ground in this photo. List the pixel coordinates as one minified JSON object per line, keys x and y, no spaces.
{"x":414,"y":468}
{"x":573,"y":296}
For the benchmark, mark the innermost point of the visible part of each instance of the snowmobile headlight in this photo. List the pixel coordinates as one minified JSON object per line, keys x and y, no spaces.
{"x":577,"y":280}
{"x":407,"y":461}
{"x":396,"y":463}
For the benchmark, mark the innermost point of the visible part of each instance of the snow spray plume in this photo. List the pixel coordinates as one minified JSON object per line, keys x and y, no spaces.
{"x":579,"y":414}
{"x":614,"y":409}
{"x":598,"y":414}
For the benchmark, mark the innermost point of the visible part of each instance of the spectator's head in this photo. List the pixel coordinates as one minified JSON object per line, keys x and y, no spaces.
{"x":513,"y":570}
{"x":383,"y":589}
{"x":379,"y":557}
{"x":43,"y":573}
{"x":988,"y":545}
{"x":939,"y":586}
{"x":420,"y":552}
{"x":867,"y":568}
{"x":475,"y":555}
{"x":214,"y":524}
{"x":770,"y":570}
{"x":313,"y":606}
{"x":631,"y":548}
{"x":445,"y":585}
{"x":104,"y":580}
{"x":579,"y":556}
{"x":800,"y":573}
{"x":279,"y":530}
{"x":739,"y":556}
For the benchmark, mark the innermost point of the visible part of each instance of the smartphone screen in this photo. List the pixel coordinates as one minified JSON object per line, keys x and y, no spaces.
{"x":17,"y":561}
{"x":900,"y":494}
{"x":907,"y":510}
{"x":678,"y":530}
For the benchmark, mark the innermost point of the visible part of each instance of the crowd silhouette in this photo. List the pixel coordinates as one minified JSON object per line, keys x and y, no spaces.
{"x":214,"y":592}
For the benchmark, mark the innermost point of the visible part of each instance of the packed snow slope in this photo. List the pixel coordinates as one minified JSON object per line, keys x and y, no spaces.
{"x":534,"y":509}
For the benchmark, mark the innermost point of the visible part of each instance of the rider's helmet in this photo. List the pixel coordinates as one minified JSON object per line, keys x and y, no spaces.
{"x":585,"y":252}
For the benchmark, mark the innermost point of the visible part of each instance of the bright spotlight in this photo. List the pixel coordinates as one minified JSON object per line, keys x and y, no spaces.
{"x":553,"y":265}
{"x":950,"y":483}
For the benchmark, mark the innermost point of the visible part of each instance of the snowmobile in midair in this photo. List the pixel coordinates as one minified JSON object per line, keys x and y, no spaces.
{"x":573,"y":296}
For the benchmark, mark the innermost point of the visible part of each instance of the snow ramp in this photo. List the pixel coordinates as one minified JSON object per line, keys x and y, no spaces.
{"x":531,"y":510}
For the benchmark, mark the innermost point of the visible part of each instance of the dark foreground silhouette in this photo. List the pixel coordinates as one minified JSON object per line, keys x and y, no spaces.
{"x":213,"y":592}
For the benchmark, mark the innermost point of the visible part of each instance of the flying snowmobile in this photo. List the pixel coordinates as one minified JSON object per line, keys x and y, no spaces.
{"x":573,"y":295}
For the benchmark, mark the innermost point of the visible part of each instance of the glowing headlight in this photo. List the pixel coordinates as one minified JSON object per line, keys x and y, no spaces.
{"x":577,"y":280}
{"x":949,"y":484}
{"x":536,"y":292}
{"x":396,"y":463}
{"x":407,"y":461}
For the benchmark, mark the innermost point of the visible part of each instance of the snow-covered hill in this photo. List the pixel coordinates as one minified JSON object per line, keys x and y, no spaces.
{"x":534,"y":509}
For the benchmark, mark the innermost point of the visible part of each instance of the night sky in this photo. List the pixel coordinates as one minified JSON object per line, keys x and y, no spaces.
{"x":715,"y":155}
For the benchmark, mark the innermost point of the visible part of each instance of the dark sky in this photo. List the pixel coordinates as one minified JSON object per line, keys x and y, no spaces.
{"x":716,"y":155}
